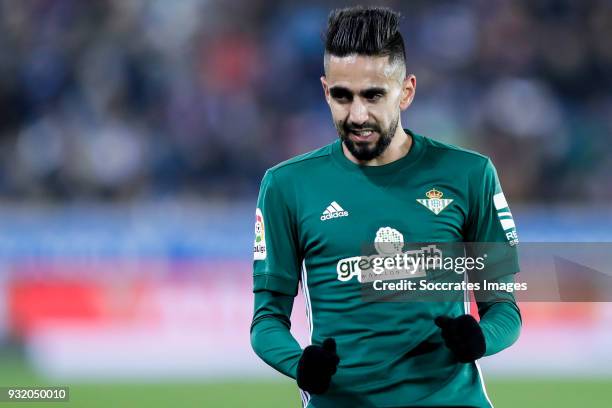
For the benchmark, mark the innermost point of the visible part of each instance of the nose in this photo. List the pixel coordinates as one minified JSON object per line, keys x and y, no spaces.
{"x":358,"y":113}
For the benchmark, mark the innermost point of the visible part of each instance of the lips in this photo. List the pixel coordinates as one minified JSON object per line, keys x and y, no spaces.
{"x":362,"y":135}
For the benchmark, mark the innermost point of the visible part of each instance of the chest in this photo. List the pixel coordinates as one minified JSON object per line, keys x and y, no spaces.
{"x":346,"y":217}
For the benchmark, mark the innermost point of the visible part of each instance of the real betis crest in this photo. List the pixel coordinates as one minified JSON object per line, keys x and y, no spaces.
{"x":434,"y":201}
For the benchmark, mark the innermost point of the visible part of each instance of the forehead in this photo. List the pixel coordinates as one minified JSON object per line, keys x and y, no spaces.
{"x":359,"y":71}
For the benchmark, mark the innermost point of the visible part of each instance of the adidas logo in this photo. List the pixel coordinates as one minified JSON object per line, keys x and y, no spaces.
{"x":333,"y":211}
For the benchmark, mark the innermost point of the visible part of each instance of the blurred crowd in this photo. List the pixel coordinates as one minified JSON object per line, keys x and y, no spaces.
{"x":147,"y":99}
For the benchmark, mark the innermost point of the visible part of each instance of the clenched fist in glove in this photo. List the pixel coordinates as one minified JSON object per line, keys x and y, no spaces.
{"x":463,"y":336}
{"x":316,"y":367}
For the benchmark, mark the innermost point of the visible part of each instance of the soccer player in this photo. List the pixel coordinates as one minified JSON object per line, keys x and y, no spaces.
{"x":379,"y":183}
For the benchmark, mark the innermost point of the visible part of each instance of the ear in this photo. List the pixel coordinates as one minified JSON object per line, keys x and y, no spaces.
{"x":325,"y":89}
{"x":408,"y":90}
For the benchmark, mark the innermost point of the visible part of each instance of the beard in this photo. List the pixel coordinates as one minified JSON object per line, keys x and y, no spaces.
{"x":363,"y":151}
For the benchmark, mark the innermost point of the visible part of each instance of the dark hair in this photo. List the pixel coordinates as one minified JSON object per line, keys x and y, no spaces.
{"x":372,"y":31}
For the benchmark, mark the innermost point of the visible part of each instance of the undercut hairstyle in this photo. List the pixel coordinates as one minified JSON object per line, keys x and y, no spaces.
{"x":370,"y":31}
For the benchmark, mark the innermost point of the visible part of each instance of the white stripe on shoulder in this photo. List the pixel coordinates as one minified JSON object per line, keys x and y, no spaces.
{"x":507,"y":223}
{"x":500,"y":201}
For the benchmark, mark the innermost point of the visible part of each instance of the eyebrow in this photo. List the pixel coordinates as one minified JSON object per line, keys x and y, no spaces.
{"x":341,"y":90}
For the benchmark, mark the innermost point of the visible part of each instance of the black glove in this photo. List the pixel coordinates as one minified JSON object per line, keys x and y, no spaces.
{"x":463,"y":336}
{"x":316,"y":367}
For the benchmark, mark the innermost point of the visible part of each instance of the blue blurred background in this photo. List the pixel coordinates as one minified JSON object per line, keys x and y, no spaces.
{"x":124,"y":100}
{"x":134,"y":134}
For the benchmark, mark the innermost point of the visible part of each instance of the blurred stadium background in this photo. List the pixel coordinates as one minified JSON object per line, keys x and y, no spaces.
{"x":133,"y":138}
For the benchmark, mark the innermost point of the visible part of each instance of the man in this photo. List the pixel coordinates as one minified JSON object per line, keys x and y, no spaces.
{"x":379,"y":183}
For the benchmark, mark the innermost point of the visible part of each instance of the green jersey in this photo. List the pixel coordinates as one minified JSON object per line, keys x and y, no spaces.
{"x":317,"y":212}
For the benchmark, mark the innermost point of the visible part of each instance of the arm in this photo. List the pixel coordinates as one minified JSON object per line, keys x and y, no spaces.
{"x":270,"y":335}
{"x":275,"y":278}
{"x":490,"y":230}
{"x":275,"y":281}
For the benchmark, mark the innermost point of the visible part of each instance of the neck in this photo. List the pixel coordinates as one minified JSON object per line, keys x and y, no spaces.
{"x":399,"y":147}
